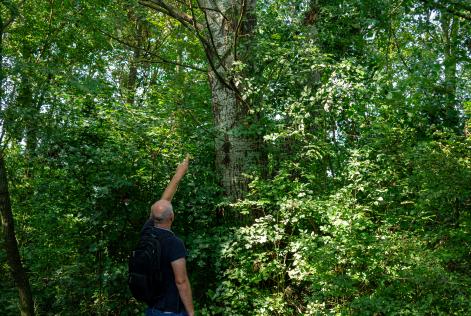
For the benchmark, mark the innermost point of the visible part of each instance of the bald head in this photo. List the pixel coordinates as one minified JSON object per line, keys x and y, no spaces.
{"x":162,"y":213}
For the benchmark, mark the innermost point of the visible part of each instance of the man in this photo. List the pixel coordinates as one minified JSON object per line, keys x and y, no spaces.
{"x":176,"y":298}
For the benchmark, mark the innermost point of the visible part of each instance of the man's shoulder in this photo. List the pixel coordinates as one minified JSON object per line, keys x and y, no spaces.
{"x":175,"y":248}
{"x":147,"y":227}
{"x":169,"y":237}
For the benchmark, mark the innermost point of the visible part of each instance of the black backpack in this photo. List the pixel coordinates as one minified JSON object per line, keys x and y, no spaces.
{"x":145,"y":275}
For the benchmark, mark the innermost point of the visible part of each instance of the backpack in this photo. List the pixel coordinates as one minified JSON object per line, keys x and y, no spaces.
{"x":145,"y":276}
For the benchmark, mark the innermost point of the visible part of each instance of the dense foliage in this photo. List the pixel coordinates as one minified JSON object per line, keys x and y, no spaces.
{"x":363,"y":204}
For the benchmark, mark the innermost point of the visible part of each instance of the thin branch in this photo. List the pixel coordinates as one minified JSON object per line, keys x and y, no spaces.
{"x":162,"y":7}
{"x":162,"y":60}
{"x":396,"y":41}
{"x":228,"y":84}
{"x":217,"y":10}
{"x":211,"y":37}
{"x":203,"y":41}
{"x":243,"y":10}
{"x":187,"y":21}
{"x":2,"y":134}
{"x":190,"y":23}
{"x":169,"y":62}
{"x":192,"y":116}
{"x":220,"y":57}
{"x":210,"y":50}
{"x":13,"y":14}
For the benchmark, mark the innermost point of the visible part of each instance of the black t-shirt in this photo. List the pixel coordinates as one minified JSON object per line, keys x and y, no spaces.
{"x":172,"y":249}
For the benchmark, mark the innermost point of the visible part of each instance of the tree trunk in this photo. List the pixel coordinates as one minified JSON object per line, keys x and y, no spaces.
{"x":30,"y":112}
{"x":226,"y":35}
{"x":450,"y":27}
{"x":131,"y":82}
{"x":235,"y":153}
{"x":6,"y":216}
{"x":11,"y":245}
{"x":237,"y":150}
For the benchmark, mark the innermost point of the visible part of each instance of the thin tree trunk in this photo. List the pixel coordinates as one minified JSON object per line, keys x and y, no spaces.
{"x":138,"y":37}
{"x":133,"y":65}
{"x":31,"y":113}
{"x":11,"y":246}
{"x":6,"y":216}
{"x":450,"y":27}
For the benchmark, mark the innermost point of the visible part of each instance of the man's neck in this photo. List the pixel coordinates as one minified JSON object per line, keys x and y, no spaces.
{"x":165,"y":227}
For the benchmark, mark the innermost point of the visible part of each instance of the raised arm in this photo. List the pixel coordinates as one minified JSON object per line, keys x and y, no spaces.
{"x":173,"y":184}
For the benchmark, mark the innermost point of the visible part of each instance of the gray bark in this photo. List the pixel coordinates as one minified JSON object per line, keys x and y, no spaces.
{"x":228,"y":24}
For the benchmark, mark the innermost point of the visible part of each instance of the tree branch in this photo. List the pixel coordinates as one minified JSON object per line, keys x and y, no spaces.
{"x":161,"y":59}
{"x":166,"y":9}
{"x":437,"y":5}
{"x":211,"y":37}
{"x":191,"y":24}
{"x":399,"y":52}
{"x":14,"y":12}
{"x":243,"y":9}
{"x":210,"y":50}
